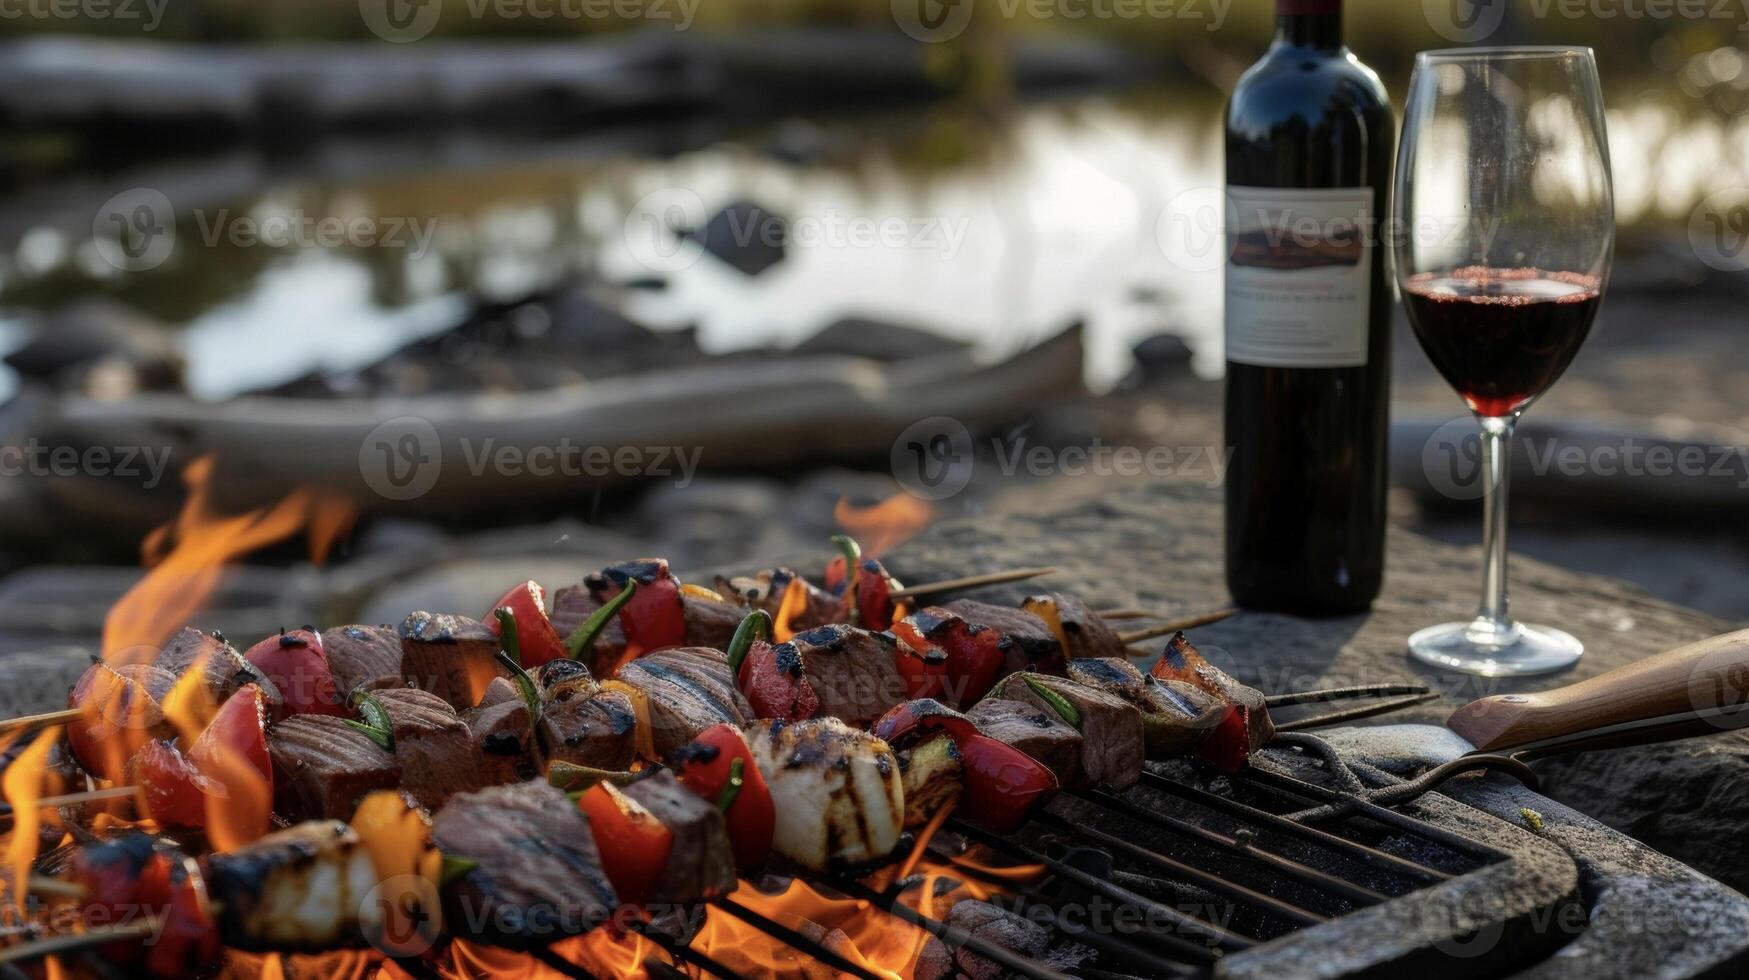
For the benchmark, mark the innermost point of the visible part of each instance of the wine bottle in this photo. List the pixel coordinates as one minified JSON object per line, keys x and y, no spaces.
{"x":1309,"y":143}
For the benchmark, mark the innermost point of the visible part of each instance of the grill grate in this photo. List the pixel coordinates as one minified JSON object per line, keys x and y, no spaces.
{"x":1268,"y":855}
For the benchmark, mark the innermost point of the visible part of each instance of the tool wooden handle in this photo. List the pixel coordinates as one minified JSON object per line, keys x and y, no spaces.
{"x":1700,"y":680}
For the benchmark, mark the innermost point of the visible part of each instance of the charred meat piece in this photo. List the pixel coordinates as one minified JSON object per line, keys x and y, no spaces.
{"x":503,"y":739}
{"x":571,"y":606}
{"x":223,"y":668}
{"x":1039,"y":732}
{"x":1028,"y":642}
{"x":453,"y":657}
{"x":1079,"y":629}
{"x":850,"y":670}
{"x":538,"y":874}
{"x":837,"y":791}
{"x":434,"y":746}
{"x":322,"y":766}
{"x":1176,"y":716}
{"x":122,"y":707}
{"x":700,"y":863}
{"x":363,"y":656}
{"x":499,"y":691}
{"x":710,"y":623}
{"x":1181,"y":662}
{"x":596,"y":730}
{"x":766,"y":591}
{"x":303,"y":888}
{"x":687,"y":689}
{"x":1111,"y":728}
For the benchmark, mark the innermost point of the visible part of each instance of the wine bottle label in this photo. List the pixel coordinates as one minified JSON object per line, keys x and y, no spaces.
{"x":1299,"y":276}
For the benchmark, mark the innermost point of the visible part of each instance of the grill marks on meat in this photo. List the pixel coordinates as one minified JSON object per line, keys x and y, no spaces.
{"x":687,"y":689}
{"x":1039,"y":732}
{"x":434,"y":747}
{"x":589,"y":729}
{"x":303,"y":888}
{"x":700,"y":863}
{"x":363,"y":656}
{"x":850,"y":670}
{"x":837,"y":791}
{"x":322,"y":766}
{"x":1111,"y":729}
{"x":1182,"y":662}
{"x":539,"y":874}
{"x":223,"y":668}
{"x":453,"y":657}
{"x":503,"y":739}
{"x":1028,"y":643}
{"x":1176,"y":716}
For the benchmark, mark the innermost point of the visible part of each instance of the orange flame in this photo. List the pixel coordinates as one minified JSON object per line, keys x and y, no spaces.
{"x":886,"y":525}
{"x":22,"y":784}
{"x":188,"y":556}
{"x":795,"y":599}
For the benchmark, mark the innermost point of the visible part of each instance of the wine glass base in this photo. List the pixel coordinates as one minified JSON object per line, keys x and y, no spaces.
{"x":1486,"y":650}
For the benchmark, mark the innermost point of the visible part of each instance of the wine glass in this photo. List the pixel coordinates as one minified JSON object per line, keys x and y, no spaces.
{"x":1502,"y":232}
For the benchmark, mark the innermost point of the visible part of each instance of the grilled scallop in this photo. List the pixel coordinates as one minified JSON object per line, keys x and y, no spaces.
{"x":303,"y":888}
{"x":837,"y":791}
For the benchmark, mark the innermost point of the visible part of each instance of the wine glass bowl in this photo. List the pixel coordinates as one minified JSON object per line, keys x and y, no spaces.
{"x":1505,"y":228}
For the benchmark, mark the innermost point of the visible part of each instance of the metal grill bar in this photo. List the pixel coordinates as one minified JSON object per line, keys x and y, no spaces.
{"x":1342,"y":845}
{"x":954,"y":938}
{"x":1220,"y":937}
{"x":1368,"y":809}
{"x":1178,"y":870}
{"x":793,"y":939}
{"x":1246,"y":851}
{"x":685,"y":953}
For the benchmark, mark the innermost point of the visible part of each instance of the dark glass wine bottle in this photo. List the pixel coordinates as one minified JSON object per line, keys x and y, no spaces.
{"x":1309,"y":140}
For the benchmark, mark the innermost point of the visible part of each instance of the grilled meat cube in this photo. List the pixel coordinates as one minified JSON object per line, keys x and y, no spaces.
{"x":837,"y":791}
{"x":538,"y":875}
{"x":561,"y":680}
{"x":688,"y":689}
{"x":1181,"y":662}
{"x":596,"y":730}
{"x":302,"y":888}
{"x":322,"y":766}
{"x":434,"y":746}
{"x":1028,"y":642}
{"x":453,"y":657}
{"x":499,"y":691}
{"x":223,"y":668}
{"x":502,"y":738}
{"x":121,"y":708}
{"x":363,"y":656}
{"x":766,"y":590}
{"x":850,"y":670}
{"x":710,"y":623}
{"x":1176,"y":716}
{"x":700,"y":863}
{"x":571,"y":606}
{"x":1079,"y":629}
{"x":1039,"y":732}
{"x":1111,"y":728}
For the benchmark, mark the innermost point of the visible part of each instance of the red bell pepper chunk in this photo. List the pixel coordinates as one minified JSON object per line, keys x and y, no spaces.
{"x":296,"y":664}
{"x":537,"y":639}
{"x":136,"y":876}
{"x":121,"y":709}
{"x":238,"y":730}
{"x":1003,"y":785}
{"x":228,"y":767}
{"x":837,"y":574}
{"x":706,"y":766}
{"x":910,"y":721}
{"x":1228,"y":746}
{"x":188,"y":938}
{"x":634,"y":845}
{"x":771,"y":677}
{"x":975,"y":659}
{"x":873,"y":598}
{"x":175,"y":790}
{"x":923,"y":673}
{"x":655,"y":618}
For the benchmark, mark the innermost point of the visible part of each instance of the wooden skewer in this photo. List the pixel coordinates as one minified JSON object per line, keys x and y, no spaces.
{"x":1354,"y":714}
{"x":972,"y":582}
{"x":1167,"y":629}
{"x":47,"y":718}
{"x":74,"y":799}
{"x":1343,"y":694}
{"x":67,"y":943}
{"x":1115,"y":614}
{"x":56,"y":888}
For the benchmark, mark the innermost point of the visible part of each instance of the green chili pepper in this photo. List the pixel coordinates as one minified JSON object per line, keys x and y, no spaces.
{"x":572,"y":777}
{"x":525,"y":686}
{"x":1058,"y":703}
{"x":732,"y":789}
{"x":584,"y":635}
{"x":384,"y":738}
{"x":848,"y":547}
{"x":374,"y":713}
{"x":507,"y":632}
{"x":455,"y":867}
{"x":757,"y":626}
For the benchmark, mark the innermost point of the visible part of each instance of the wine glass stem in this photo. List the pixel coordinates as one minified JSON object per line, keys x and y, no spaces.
{"x":1497,"y":470}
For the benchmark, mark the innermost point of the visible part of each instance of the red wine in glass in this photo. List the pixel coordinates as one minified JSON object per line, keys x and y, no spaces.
{"x":1501,"y":337}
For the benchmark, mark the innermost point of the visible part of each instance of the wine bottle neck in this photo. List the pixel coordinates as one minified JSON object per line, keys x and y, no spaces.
{"x":1309,"y":23}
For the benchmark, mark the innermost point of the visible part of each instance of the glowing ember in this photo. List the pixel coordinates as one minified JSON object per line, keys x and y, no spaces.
{"x":188,"y":557}
{"x":885,"y":525}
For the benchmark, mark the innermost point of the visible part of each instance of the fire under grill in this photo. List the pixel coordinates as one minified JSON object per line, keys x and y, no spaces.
{"x":1267,"y":873}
